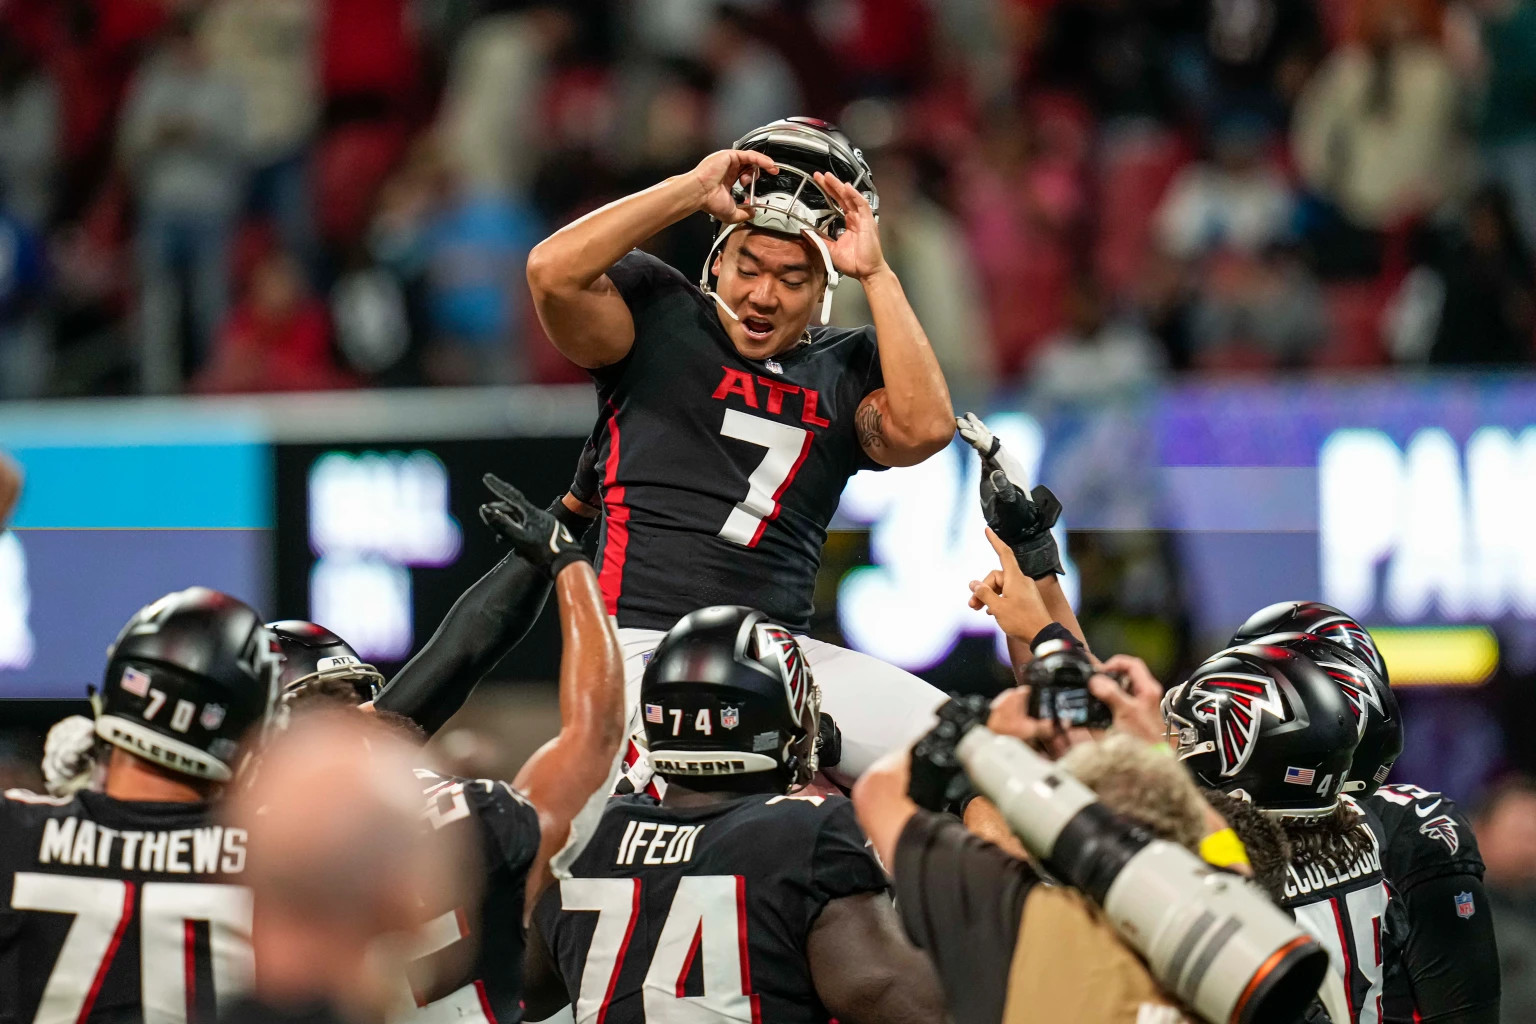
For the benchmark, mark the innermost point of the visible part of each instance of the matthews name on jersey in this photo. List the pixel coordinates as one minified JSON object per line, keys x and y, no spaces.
{"x":445,"y":984}
{"x":719,"y":473}
{"x":1345,"y":907}
{"x":117,"y":911}
{"x":711,"y":905}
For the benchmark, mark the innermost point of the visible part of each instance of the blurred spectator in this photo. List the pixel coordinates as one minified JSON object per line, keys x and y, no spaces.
{"x":1098,"y":356}
{"x":368,"y":58}
{"x":270,"y":48}
{"x":1506,"y":837}
{"x":882,"y":45}
{"x":1021,"y":199}
{"x":1489,"y":311}
{"x":277,"y":339}
{"x":753,"y":84}
{"x":1508,"y":123}
{"x":1236,"y":200}
{"x":336,"y":934}
{"x":1258,"y":311}
{"x":1260,"y":52}
{"x":1111,"y":54}
{"x":1377,"y":130}
{"x":29,"y":135}
{"x":925,"y":245}
{"x":466,"y":248}
{"x":494,"y":104}
{"x":182,"y":141}
{"x":24,"y":349}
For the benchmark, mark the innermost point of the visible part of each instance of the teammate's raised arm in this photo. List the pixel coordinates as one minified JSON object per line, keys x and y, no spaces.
{"x":569,"y":777}
{"x":910,"y":418}
{"x":582,"y":311}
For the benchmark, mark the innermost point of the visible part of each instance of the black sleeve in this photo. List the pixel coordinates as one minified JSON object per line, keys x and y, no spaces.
{"x":961,"y":900}
{"x":484,"y":624}
{"x":544,"y":991}
{"x":510,"y":821}
{"x":1450,"y":956}
{"x":841,"y":863}
{"x":638,"y":274}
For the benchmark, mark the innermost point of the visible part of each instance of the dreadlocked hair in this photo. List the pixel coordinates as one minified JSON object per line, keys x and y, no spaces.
{"x":323,"y":693}
{"x":1336,"y":840}
{"x":1269,"y":851}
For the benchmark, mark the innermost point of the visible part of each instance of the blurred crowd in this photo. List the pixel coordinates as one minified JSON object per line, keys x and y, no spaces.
{"x":245,"y":195}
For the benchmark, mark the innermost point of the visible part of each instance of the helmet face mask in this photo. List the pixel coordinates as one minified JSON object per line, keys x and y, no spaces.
{"x":790,"y":202}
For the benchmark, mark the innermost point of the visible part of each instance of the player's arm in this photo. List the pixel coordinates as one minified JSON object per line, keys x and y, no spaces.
{"x":910,"y":418}
{"x":10,"y":488}
{"x":487,"y":621}
{"x":578,"y":304}
{"x":1452,"y":961}
{"x":544,"y":992}
{"x":865,"y":970}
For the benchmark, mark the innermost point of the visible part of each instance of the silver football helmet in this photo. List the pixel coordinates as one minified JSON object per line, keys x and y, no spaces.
{"x":791,"y":202}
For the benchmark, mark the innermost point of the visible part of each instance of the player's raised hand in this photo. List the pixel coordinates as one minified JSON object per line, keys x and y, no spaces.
{"x":1016,"y":604}
{"x":532,"y":532}
{"x":856,"y":253}
{"x":721,"y":171}
{"x":1022,"y":518}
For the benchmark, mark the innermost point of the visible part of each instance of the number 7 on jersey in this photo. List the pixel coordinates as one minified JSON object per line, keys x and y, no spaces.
{"x":787,"y":448}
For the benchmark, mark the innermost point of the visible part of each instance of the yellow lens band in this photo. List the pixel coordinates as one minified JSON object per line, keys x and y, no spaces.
{"x":1223,"y":849}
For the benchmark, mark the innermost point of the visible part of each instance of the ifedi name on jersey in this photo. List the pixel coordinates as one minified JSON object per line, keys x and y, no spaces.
{"x":1304,"y":879}
{"x":657,"y":843}
{"x":80,"y":842}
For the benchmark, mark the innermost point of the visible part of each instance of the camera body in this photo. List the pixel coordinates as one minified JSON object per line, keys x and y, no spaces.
{"x":1058,"y":686}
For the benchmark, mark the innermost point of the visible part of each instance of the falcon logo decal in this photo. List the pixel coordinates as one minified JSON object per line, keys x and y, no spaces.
{"x":1352,"y":635}
{"x":779,"y":642}
{"x":1443,"y":828}
{"x":1357,"y":690}
{"x":1234,"y":703}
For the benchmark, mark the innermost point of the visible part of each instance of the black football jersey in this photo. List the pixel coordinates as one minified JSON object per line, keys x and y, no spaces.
{"x":114,"y":911}
{"x":1425,"y":837}
{"x":1347,"y":912}
{"x":719,"y":474}
{"x":703,"y":910}
{"x":502,"y":827}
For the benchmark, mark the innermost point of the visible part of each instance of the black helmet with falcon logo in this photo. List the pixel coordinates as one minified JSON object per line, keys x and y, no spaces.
{"x":1265,"y":724}
{"x":728,"y":692}
{"x":1321,"y":620}
{"x":1377,"y":717}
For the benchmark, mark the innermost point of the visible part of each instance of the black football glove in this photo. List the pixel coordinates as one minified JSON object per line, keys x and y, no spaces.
{"x":829,"y":743}
{"x":585,"y":490}
{"x":1021,"y":519}
{"x":532,"y":532}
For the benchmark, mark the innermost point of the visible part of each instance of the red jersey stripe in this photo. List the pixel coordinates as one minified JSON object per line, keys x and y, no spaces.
{"x":611,"y":577}
{"x":129,"y":889}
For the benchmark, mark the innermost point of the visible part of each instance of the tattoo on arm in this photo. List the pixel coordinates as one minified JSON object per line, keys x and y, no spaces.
{"x":871,"y":427}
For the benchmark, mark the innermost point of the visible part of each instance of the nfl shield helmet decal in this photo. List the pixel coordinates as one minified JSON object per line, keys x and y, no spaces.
{"x":1464,"y":906}
{"x":730,"y":718}
{"x":212,"y":716}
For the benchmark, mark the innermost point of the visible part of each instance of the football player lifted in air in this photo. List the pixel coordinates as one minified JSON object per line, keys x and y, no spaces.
{"x":728,"y":900}
{"x":122,"y":903}
{"x":1266,"y":725}
{"x":1449,"y":968}
{"x":729,"y":418}
{"x":526,"y":833}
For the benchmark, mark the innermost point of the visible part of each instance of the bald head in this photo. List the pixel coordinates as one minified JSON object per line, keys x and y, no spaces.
{"x":339,"y":859}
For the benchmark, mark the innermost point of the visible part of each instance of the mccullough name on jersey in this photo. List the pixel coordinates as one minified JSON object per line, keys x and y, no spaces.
{"x":1310,"y":878}
{"x":80,"y":842}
